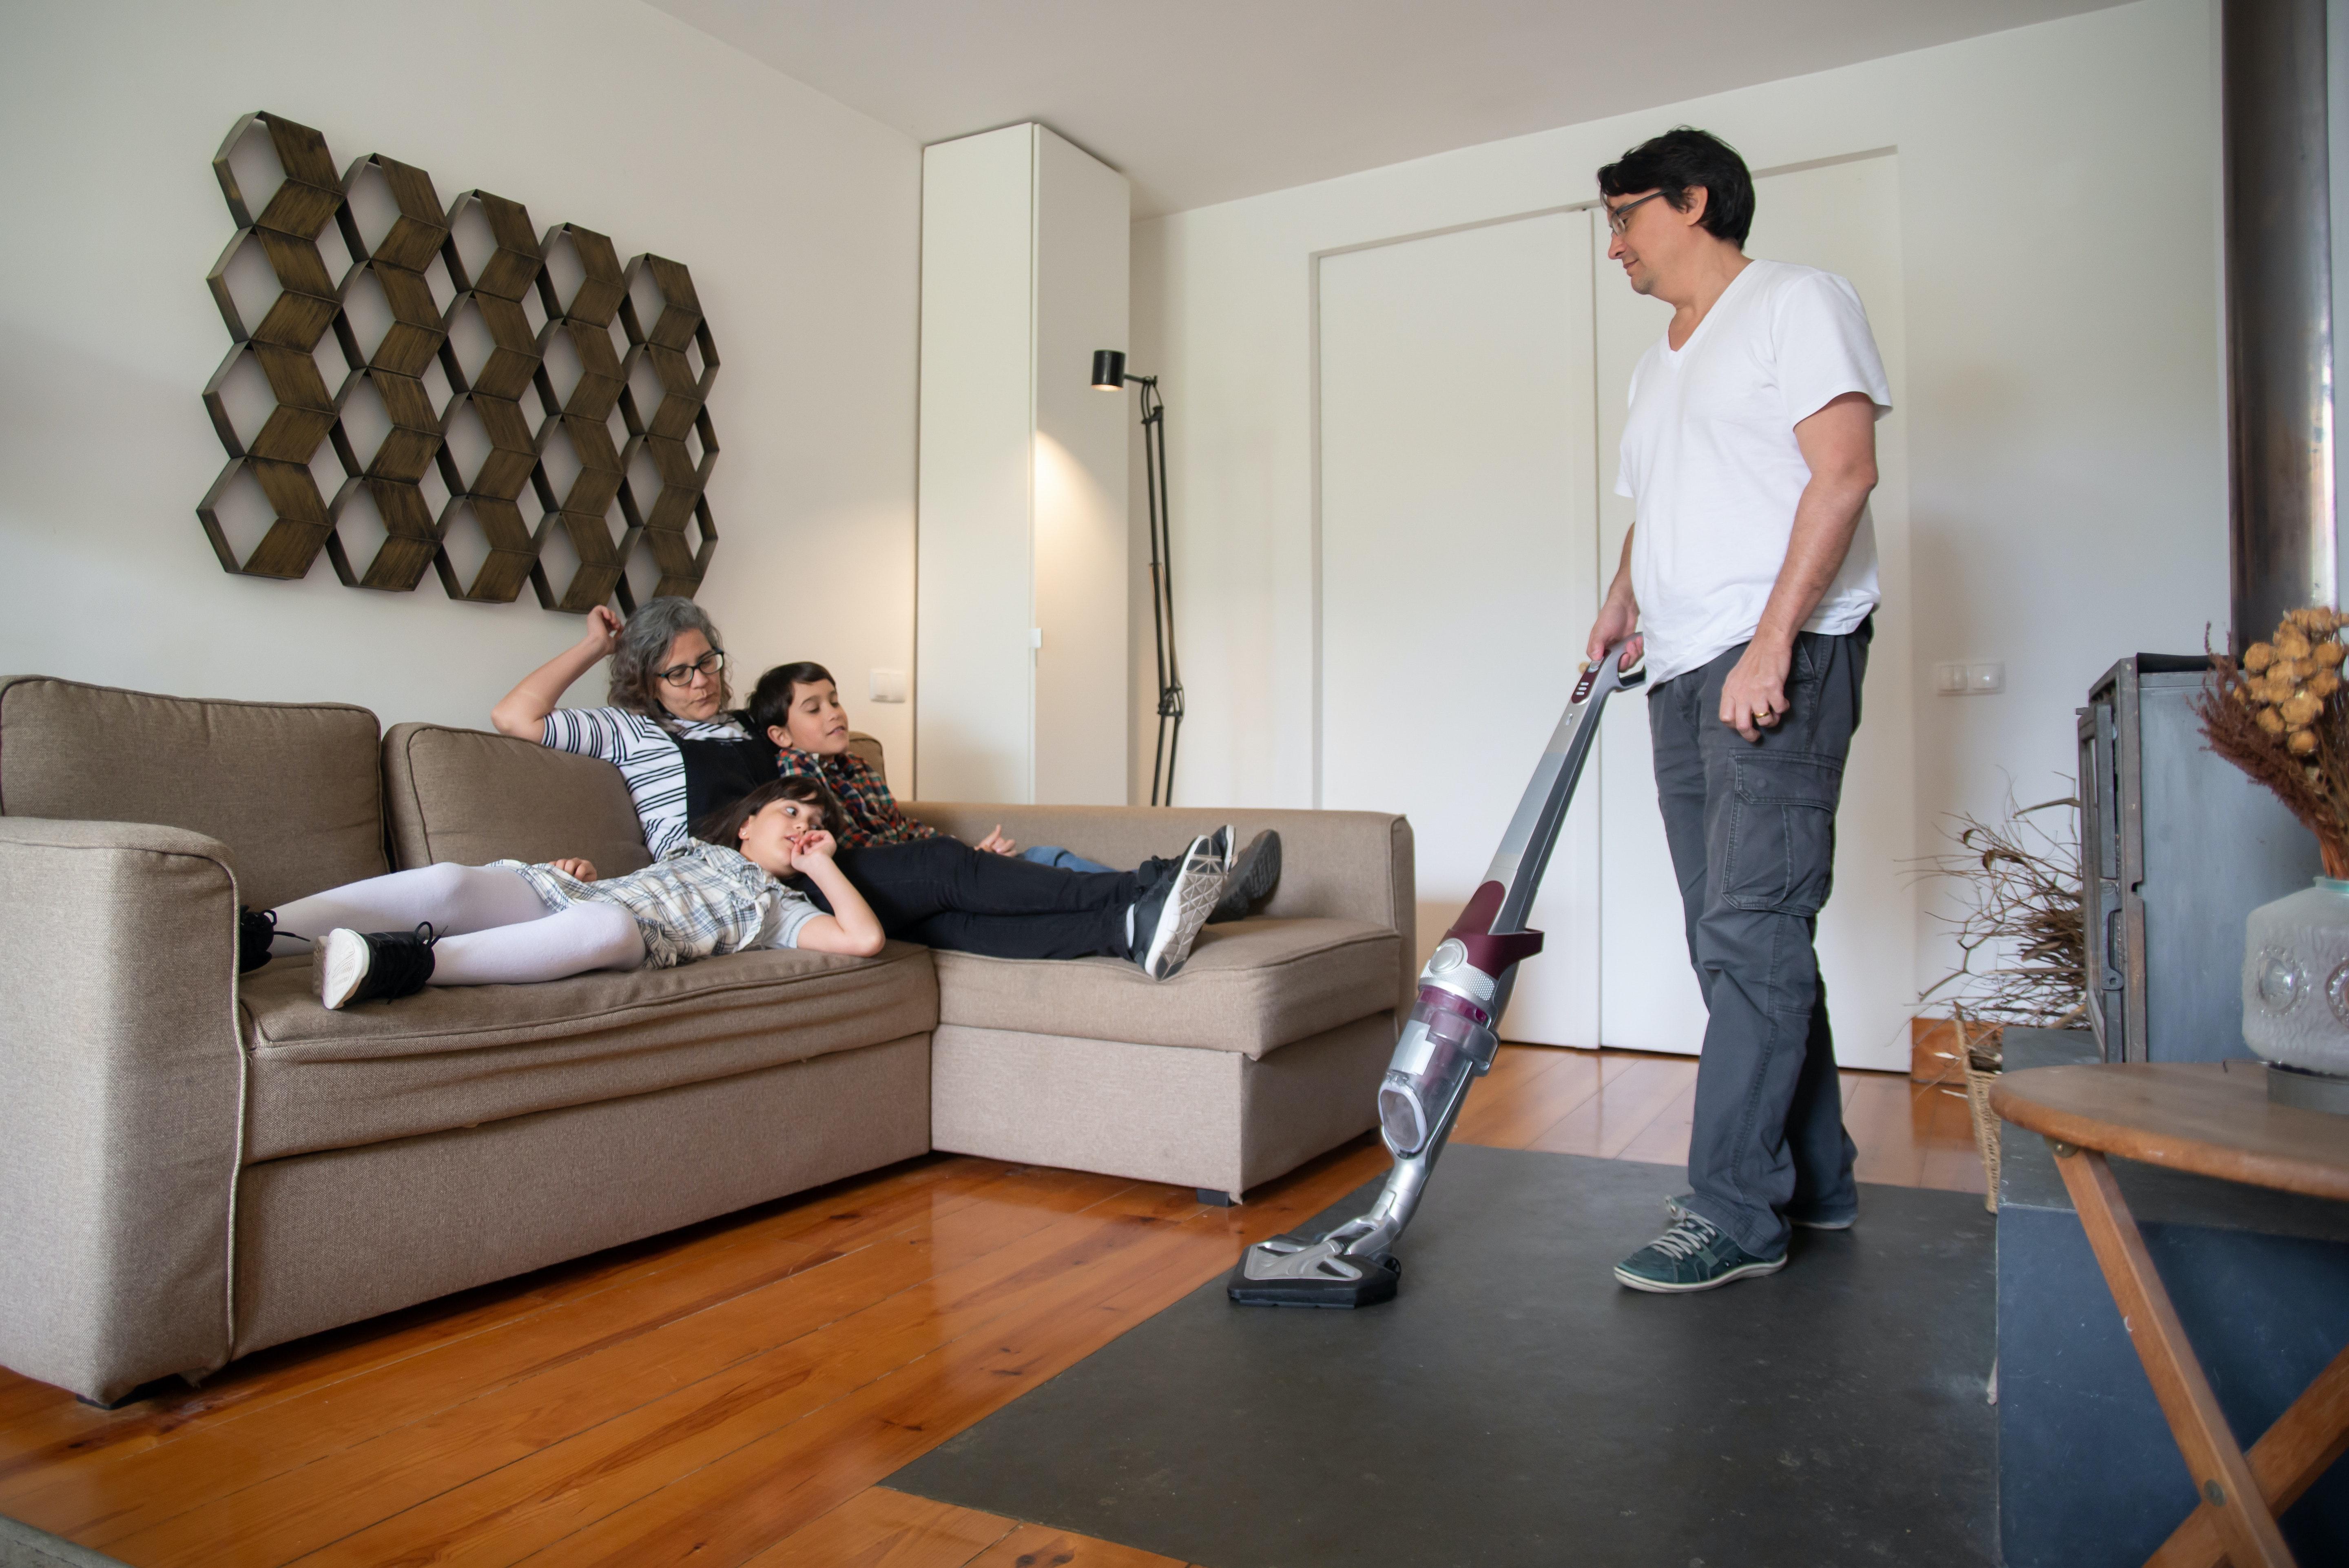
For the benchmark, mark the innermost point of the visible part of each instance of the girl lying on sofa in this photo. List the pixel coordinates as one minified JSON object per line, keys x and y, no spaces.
{"x":725,"y":891}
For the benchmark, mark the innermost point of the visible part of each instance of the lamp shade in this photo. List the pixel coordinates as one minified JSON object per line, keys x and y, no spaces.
{"x":1109,"y":370}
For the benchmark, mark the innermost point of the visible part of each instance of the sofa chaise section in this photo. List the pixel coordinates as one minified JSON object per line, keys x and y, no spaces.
{"x":1265,"y":1051}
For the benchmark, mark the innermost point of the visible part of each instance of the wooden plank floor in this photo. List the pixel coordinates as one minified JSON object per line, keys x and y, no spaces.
{"x":733,"y":1393}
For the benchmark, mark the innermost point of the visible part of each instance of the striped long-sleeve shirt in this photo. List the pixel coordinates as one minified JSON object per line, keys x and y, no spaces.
{"x":648,"y":760}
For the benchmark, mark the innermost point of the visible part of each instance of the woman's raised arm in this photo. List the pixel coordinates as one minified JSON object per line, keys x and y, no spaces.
{"x":522,"y":713}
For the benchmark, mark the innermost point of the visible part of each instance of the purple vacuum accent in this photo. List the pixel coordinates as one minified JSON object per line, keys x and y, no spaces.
{"x":1489,"y":951}
{"x":1477,"y":918}
{"x":1496,"y":955}
{"x":1435,"y":999}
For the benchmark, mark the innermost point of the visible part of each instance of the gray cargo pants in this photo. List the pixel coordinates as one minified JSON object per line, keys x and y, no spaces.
{"x":1752,"y":829}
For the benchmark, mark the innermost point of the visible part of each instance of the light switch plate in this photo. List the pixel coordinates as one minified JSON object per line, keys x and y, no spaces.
{"x":888,"y":686}
{"x":1960,"y":677}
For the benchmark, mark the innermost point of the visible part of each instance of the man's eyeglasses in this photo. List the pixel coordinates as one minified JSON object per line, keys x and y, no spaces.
{"x":709,"y":664}
{"x":1619,"y":218}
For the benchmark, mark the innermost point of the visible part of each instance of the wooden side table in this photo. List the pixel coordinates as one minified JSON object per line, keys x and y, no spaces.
{"x":2212,"y":1118}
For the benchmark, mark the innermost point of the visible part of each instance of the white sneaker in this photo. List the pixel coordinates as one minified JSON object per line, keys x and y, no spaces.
{"x":1183,"y":905}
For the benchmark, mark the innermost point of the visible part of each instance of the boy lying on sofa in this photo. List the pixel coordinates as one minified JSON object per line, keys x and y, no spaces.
{"x":759,"y":873}
{"x":798,"y":708}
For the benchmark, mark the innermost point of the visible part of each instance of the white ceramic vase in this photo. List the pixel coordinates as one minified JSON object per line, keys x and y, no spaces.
{"x":2296,"y":994}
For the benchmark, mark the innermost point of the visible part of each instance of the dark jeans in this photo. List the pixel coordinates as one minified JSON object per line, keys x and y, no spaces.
{"x":943,"y":894}
{"x":1752,"y":828}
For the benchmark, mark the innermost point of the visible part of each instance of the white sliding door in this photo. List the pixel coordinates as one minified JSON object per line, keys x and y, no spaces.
{"x":1458,"y":563}
{"x":1846,"y":218}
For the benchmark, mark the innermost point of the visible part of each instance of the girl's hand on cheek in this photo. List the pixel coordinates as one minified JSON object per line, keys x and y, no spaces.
{"x":816,"y":845}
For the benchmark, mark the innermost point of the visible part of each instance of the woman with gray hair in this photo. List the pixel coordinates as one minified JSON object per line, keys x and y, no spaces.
{"x":664,"y":725}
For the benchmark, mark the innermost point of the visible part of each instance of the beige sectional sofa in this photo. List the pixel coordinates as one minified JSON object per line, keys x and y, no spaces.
{"x":195,"y":1165}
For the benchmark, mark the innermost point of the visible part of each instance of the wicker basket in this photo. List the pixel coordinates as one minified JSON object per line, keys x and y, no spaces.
{"x":1972,"y":1044}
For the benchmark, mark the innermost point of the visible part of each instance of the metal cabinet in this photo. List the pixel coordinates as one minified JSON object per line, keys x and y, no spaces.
{"x":2177,"y":848}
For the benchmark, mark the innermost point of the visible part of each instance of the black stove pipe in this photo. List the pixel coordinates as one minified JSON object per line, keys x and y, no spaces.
{"x":2279,"y":258}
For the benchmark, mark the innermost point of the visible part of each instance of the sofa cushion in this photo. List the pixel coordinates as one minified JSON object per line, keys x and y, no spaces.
{"x":1251,"y":987}
{"x":291,"y":788}
{"x":455,"y":1056}
{"x":473,"y":797}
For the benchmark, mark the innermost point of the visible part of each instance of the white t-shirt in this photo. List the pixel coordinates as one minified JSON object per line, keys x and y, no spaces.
{"x":1711,"y":467}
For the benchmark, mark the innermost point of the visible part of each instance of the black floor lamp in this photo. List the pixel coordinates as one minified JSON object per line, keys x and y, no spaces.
{"x":1109,"y":375}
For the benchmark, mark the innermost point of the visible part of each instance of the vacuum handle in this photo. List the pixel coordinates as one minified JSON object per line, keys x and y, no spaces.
{"x":1524,"y":855}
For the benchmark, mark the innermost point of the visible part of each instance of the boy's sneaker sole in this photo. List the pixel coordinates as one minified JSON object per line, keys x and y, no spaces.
{"x":1198,"y":885}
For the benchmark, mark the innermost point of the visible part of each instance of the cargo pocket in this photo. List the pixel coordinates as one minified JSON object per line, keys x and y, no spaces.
{"x":1782,"y":834}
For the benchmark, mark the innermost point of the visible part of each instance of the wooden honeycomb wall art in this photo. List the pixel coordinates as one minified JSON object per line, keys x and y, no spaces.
{"x":415,"y":387}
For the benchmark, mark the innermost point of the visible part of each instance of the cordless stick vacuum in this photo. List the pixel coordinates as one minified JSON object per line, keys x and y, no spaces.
{"x":1449,"y":1039}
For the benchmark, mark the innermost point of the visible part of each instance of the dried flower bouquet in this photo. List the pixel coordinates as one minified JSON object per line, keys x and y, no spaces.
{"x":2281,"y":715}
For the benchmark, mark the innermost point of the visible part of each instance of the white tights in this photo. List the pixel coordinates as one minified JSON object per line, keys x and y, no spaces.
{"x":493,"y":929}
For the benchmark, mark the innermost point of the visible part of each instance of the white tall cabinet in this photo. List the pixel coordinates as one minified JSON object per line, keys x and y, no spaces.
{"x":1020,"y":685}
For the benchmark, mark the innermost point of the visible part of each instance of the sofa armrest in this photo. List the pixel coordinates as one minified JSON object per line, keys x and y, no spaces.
{"x":121,"y":1102}
{"x":1347,"y":865}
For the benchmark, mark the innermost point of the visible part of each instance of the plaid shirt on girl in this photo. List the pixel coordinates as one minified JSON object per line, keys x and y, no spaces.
{"x":873,"y":815}
{"x":700,"y":902}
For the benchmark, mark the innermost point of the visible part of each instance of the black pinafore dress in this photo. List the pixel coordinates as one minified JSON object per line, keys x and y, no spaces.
{"x":720,"y":773}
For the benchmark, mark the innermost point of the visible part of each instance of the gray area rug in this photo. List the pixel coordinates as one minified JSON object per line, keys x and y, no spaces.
{"x":1514,"y":1405}
{"x":22,"y":1546}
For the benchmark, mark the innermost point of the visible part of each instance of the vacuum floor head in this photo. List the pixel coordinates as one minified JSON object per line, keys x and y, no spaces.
{"x":1290,"y":1271}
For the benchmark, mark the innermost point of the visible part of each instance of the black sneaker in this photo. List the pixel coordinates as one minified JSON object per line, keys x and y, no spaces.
{"x":1678,"y":1209}
{"x":1252,"y":879}
{"x":255,"y":930}
{"x":354,"y":966}
{"x":1167,"y":919}
{"x":1693,"y":1255}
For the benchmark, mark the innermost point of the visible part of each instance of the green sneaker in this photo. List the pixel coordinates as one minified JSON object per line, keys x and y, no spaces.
{"x":1693,"y":1255}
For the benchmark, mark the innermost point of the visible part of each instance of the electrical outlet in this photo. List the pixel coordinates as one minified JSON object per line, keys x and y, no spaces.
{"x":887,"y":686}
{"x":1958,"y":678}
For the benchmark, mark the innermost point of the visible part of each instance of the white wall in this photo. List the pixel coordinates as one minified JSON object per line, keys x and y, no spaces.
{"x":798,"y":217}
{"x":2059,"y":236}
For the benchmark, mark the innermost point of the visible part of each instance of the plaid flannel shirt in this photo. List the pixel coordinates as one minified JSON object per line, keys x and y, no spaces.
{"x":700,"y":902}
{"x":874,"y":816}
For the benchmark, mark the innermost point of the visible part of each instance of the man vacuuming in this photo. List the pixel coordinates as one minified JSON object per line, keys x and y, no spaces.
{"x":1750,"y":577}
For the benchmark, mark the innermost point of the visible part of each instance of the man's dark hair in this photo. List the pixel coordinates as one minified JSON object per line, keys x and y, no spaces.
{"x":770,"y":700}
{"x":724,"y":826}
{"x":1678,"y":161}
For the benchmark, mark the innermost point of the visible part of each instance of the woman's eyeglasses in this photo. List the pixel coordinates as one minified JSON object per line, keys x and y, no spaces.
{"x":709,"y":664}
